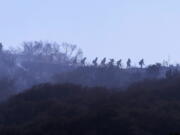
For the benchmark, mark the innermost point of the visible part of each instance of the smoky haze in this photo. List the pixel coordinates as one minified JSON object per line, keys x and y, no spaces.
{"x":37,"y":62}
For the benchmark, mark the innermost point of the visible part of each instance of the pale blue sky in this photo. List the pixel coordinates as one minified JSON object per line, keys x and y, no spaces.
{"x":148,"y":29}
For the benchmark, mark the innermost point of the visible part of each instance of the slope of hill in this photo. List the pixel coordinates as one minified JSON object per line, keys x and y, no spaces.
{"x":147,"y":108}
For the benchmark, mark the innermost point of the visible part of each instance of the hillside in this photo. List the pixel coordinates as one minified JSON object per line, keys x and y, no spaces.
{"x":147,"y":108}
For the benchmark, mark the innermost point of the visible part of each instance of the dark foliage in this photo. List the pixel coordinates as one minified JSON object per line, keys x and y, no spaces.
{"x":146,"y":108}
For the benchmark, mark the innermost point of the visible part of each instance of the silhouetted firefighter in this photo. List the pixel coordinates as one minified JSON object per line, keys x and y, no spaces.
{"x":95,"y":61}
{"x":103,"y":62}
{"x":119,"y":63}
{"x":1,"y":47}
{"x":83,"y":61}
{"x":141,"y":63}
{"x":1,"y":50}
{"x":128,"y":63}
{"x":75,"y":61}
{"x":111,"y":63}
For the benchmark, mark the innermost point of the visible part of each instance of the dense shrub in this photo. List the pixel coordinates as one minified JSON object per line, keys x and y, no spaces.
{"x":147,"y":108}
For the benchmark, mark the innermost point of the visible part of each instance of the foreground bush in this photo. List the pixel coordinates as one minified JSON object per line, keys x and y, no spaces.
{"x":147,"y":108}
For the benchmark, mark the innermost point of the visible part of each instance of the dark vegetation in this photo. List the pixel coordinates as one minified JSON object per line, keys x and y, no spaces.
{"x":147,"y":108}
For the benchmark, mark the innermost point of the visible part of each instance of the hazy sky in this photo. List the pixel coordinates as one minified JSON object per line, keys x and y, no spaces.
{"x":148,"y":29}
